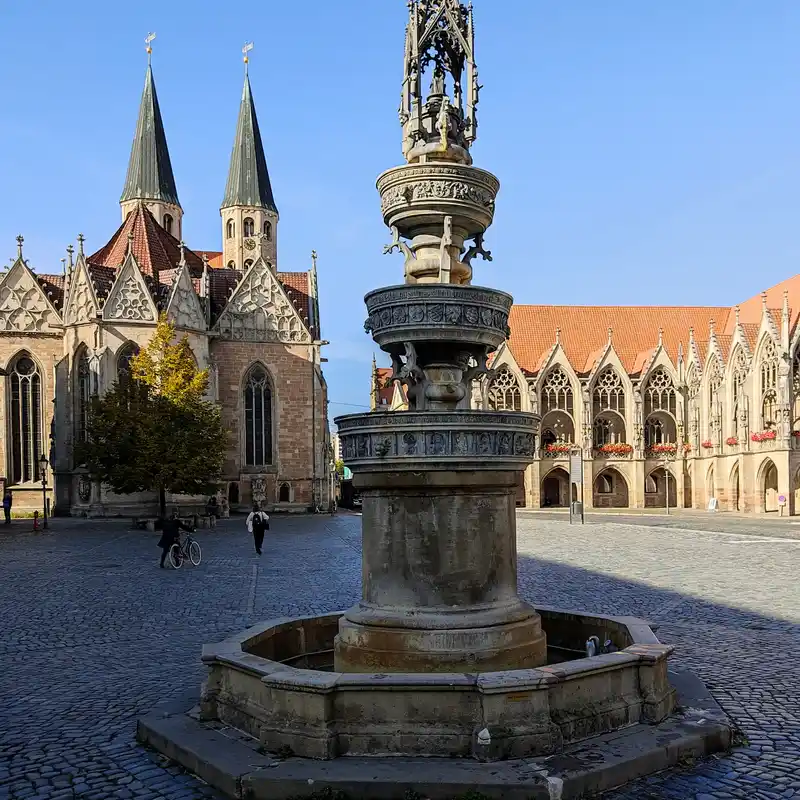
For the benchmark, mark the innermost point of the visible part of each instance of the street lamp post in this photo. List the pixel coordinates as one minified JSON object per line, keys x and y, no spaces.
{"x":43,"y":467}
{"x":665,"y":464}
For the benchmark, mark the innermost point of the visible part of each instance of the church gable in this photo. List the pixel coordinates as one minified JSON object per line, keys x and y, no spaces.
{"x":184,"y":308}
{"x":129,"y":299}
{"x":24,"y":307}
{"x":260,"y":311}
{"x":82,"y":305}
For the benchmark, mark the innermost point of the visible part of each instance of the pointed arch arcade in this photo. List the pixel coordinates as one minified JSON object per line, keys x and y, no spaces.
{"x":258,"y":416}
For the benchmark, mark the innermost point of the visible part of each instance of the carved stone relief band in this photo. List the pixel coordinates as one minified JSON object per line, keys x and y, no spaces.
{"x":419,"y":312}
{"x":469,"y":440}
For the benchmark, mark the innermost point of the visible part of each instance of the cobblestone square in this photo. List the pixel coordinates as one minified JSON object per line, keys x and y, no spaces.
{"x":94,"y":634}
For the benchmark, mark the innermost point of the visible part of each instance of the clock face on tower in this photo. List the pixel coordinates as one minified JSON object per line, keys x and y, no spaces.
{"x":250,"y":244}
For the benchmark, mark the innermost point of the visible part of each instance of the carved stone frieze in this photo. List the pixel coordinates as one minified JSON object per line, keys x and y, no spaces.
{"x":130,"y":302}
{"x":24,"y":307}
{"x":260,"y":311}
{"x":184,"y":307}
{"x":82,"y":306}
{"x":449,"y":440}
{"x":468,"y":314}
{"x":467,"y":194}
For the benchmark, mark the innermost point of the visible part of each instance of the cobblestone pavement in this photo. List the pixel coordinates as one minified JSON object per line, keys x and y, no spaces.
{"x":94,"y":634}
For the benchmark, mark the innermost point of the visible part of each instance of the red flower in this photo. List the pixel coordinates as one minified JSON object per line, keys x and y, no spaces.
{"x":731,"y":441}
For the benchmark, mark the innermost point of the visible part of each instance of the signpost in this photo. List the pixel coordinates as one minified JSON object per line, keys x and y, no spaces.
{"x":781,"y":503}
{"x":576,"y":484}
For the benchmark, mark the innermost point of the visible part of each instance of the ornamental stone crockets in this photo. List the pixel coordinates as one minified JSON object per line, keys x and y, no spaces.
{"x":438,"y":481}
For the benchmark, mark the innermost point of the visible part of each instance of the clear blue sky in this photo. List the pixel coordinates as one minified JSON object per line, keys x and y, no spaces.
{"x":648,"y":152}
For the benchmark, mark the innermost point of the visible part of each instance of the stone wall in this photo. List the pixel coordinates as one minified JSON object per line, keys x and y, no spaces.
{"x":294,"y":382}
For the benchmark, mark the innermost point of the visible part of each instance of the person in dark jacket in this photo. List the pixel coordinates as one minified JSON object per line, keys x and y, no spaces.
{"x":171,"y":528}
{"x":7,"y":503}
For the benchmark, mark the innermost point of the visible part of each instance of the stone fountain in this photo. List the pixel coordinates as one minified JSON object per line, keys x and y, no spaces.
{"x":441,"y":657}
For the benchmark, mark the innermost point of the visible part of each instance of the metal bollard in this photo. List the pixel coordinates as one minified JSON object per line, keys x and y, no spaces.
{"x":36,"y":520}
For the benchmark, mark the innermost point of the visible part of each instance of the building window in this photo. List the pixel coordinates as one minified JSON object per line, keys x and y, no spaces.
{"x":504,"y":393}
{"x":268,"y":231}
{"x":285,"y":493}
{"x":739,"y":405}
{"x":769,"y":385}
{"x":249,"y":227}
{"x":230,"y":229}
{"x":609,"y":394}
{"x":258,"y":418}
{"x":231,"y":265}
{"x":557,"y":392}
{"x":83,"y":393}
{"x":168,"y":223}
{"x":248,"y":263}
{"x":26,"y":420}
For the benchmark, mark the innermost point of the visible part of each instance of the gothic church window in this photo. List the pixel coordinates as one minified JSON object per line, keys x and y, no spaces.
{"x":268,"y":231}
{"x":124,"y":358}
{"x":168,"y":223}
{"x":83,"y":392}
{"x":26,"y":419}
{"x":231,"y":265}
{"x":258,"y":418}
{"x":248,"y":226}
{"x":230,"y":229}
{"x":504,"y":393}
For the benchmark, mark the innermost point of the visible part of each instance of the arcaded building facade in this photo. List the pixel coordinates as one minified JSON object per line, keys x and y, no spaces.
{"x":68,"y":336}
{"x":700,"y":403}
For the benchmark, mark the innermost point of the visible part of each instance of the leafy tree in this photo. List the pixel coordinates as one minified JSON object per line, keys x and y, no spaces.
{"x":340,"y":468}
{"x":154,"y":431}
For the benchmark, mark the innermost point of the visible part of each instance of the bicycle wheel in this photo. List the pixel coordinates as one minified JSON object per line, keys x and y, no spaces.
{"x":195,"y":553}
{"x":176,"y":556}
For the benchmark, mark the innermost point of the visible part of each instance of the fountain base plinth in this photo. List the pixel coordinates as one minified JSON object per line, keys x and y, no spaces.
{"x":363,"y":648}
{"x":439,"y":575}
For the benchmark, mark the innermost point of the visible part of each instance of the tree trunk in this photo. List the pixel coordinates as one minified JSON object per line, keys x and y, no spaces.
{"x":162,"y":501}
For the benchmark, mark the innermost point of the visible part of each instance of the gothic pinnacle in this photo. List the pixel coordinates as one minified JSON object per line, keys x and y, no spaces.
{"x":20,"y":241}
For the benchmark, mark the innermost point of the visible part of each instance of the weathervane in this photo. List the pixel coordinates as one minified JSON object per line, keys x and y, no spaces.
{"x":248,"y":46}
{"x":147,"y":39}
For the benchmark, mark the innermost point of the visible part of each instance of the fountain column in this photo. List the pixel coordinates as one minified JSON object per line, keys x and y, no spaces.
{"x":439,"y":481}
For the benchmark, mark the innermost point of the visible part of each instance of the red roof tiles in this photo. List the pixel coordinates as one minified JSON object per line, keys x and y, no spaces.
{"x":584,"y":332}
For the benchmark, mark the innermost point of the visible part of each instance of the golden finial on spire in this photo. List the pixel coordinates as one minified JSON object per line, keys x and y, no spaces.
{"x":248,"y":46}
{"x":147,"y":40}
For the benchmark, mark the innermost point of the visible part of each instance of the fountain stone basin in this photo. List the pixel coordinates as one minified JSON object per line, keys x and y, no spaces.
{"x":275,"y":682}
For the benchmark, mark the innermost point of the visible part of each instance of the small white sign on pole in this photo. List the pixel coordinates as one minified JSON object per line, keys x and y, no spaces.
{"x":576,"y":480}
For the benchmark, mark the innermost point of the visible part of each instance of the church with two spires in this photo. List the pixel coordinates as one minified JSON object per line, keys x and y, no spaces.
{"x":67,"y":337}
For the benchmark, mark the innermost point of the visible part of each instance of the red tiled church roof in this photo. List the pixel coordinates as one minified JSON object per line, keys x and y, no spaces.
{"x":153,"y":248}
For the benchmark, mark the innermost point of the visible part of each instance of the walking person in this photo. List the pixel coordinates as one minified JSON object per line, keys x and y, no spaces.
{"x":7,"y":503}
{"x":171,"y":528}
{"x":257,"y":524}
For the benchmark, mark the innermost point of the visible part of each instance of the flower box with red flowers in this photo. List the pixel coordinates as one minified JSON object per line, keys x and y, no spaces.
{"x":687,"y":448}
{"x":618,"y":449}
{"x":558,"y":447}
{"x":664,"y":449}
{"x":796,"y":434}
{"x":707,"y":445}
{"x":764,"y":436}
{"x":731,"y":441}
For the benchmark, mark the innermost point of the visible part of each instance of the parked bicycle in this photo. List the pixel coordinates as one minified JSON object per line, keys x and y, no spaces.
{"x":187,"y":550}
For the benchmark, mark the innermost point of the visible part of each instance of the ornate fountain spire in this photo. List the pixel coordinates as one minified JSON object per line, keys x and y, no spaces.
{"x":440,"y":47}
{"x":438,"y":206}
